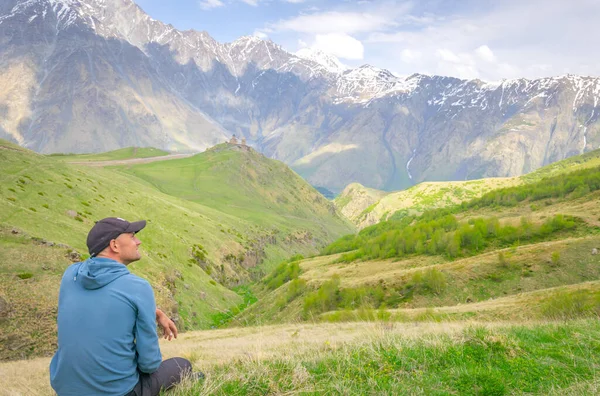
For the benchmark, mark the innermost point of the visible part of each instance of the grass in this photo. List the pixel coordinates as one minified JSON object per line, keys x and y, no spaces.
{"x":477,"y":360}
{"x":584,"y":161}
{"x":520,"y":319}
{"x":74,"y":196}
{"x":430,"y":195}
{"x":418,"y":285}
{"x":375,"y":357}
{"x":246,"y":185}
{"x":419,"y":198}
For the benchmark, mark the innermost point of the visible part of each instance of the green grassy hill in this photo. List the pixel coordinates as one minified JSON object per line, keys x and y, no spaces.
{"x":365,"y":207}
{"x":192,"y":251}
{"x":499,"y":295}
{"x":240,"y":182}
{"x":413,"y":200}
{"x":584,"y":161}
{"x":511,"y":241}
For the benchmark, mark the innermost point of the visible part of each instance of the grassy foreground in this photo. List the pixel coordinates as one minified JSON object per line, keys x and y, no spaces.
{"x":376,"y":358}
{"x":559,"y":358}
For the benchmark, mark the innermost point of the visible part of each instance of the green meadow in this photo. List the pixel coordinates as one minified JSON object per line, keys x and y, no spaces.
{"x":496,"y":293}
{"x":194,"y":251}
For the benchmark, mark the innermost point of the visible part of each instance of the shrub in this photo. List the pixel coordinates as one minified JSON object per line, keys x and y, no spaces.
{"x":45,"y":206}
{"x":324,"y":299}
{"x":431,"y":280}
{"x":296,"y":288}
{"x":33,"y":209}
{"x":555,"y":258}
{"x":199,"y":253}
{"x":565,"y":305}
{"x":12,"y":199}
{"x":502,"y":260}
{"x":25,"y":275}
{"x":282,"y":274}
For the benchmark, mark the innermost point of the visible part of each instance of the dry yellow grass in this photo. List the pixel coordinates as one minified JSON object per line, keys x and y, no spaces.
{"x":586,"y":208}
{"x":321,"y":269}
{"x":522,"y":307}
{"x":211,"y":347}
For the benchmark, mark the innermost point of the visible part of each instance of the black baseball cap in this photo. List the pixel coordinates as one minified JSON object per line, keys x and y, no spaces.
{"x":106,"y":230}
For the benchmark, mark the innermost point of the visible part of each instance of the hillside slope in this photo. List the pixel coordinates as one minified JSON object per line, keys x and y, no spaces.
{"x":365,"y":212}
{"x":540,"y":237}
{"x":241,"y":182}
{"x":191,"y":251}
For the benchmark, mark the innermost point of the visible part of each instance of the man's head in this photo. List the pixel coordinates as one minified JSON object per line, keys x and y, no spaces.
{"x":115,"y":238}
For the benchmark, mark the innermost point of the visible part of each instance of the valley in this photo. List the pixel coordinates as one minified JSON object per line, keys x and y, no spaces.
{"x":315,"y":224}
{"x":240,"y":243}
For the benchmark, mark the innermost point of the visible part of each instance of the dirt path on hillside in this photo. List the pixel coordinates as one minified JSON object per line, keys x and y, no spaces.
{"x":132,"y":160}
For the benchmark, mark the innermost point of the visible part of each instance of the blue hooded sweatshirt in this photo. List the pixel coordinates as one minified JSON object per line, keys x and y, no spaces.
{"x":106,"y":330}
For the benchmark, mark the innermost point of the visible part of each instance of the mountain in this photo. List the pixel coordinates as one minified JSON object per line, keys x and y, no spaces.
{"x":96,"y":75}
{"x":331,"y":63}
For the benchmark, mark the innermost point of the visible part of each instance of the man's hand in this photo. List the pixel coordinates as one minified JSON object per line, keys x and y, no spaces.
{"x":168,"y":326}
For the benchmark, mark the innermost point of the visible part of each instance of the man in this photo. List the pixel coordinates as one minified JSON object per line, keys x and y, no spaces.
{"x":107,"y":340}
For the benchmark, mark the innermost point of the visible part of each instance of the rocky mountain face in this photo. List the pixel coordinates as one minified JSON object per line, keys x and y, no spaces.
{"x":96,"y":75}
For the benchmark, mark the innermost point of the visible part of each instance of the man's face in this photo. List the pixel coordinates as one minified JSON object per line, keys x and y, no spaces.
{"x":127,"y":245}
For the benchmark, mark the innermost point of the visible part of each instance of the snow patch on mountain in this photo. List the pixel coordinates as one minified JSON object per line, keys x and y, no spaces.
{"x":328,"y":61}
{"x":124,"y":20}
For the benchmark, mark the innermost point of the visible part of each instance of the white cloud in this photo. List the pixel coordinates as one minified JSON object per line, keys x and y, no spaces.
{"x":518,"y":31}
{"x":447,"y":56}
{"x":469,"y":38}
{"x":485,"y":53}
{"x":409,"y":56}
{"x":260,"y":34}
{"x":253,"y":3}
{"x":210,"y":4}
{"x":335,"y":22}
{"x":340,"y":45}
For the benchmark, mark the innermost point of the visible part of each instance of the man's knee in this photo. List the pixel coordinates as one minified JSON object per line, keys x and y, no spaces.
{"x":183,"y":365}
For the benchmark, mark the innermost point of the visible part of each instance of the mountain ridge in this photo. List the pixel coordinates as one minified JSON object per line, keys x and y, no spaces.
{"x":112,"y":64}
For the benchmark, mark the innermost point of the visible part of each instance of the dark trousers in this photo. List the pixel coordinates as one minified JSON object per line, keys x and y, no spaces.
{"x":169,"y":373}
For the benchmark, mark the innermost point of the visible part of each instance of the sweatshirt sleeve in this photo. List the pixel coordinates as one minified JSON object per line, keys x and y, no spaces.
{"x":149,"y":357}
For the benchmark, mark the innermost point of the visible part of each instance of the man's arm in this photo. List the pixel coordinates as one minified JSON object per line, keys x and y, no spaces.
{"x":168,"y":326}
{"x":146,"y":339}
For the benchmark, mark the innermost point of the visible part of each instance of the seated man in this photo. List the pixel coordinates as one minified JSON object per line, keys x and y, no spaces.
{"x":107,"y":340}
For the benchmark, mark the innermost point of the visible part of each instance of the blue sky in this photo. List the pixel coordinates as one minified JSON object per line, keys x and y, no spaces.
{"x":483,"y":39}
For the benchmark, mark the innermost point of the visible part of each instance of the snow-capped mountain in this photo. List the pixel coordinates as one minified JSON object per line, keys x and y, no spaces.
{"x":94,"y":75}
{"x":330,"y":62}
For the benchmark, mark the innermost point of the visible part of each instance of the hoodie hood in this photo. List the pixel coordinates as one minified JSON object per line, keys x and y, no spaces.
{"x":97,"y":272}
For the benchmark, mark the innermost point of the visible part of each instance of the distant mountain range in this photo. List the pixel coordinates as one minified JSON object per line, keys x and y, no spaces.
{"x":96,"y":75}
